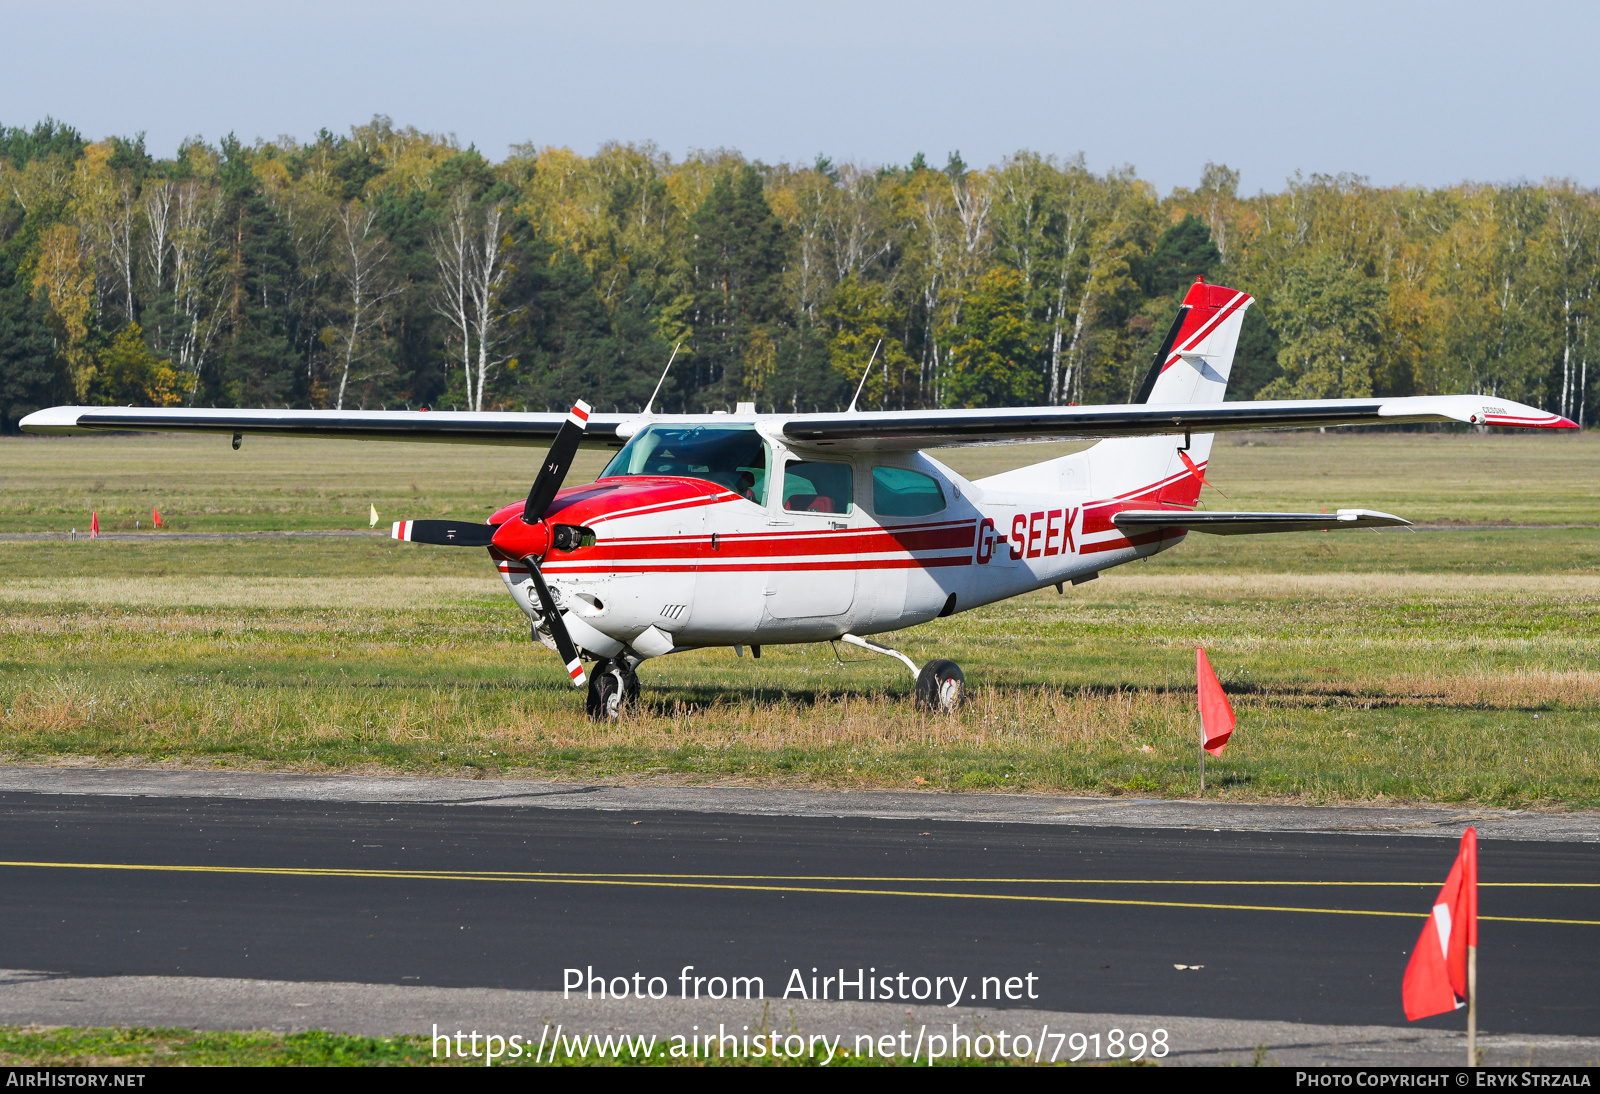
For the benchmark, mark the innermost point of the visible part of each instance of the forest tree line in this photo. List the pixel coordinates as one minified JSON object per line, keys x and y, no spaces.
{"x":393,"y":268}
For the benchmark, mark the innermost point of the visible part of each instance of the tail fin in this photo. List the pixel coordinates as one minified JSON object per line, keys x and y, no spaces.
{"x":1192,"y":366}
{"x":1194,"y":360}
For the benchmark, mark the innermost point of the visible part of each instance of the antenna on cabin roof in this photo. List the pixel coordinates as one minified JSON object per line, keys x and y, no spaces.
{"x":663,"y":379}
{"x":864,"y":375}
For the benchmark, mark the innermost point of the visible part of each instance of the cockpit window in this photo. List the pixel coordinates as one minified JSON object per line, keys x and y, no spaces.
{"x":815,"y":486}
{"x":733,"y":456}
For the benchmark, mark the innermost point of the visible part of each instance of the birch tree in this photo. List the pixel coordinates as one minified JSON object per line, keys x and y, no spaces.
{"x":196,"y":268}
{"x":1570,"y":232}
{"x":362,"y":260}
{"x":469,"y":251}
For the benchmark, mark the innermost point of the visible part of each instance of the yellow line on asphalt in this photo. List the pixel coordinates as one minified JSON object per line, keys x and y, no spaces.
{"x":560,"y":875}
{"x":660,"y":881}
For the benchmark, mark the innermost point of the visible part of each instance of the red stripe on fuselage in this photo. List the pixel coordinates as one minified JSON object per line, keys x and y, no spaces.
{"x":1124,"y":542}
{"x":1097,"y":515}
{"x":903,"y":563}
{"x":946,"y":537}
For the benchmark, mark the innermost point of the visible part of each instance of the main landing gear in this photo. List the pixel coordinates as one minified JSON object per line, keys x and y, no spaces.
{"x":941,"y":687}
{"x":613,"y":685}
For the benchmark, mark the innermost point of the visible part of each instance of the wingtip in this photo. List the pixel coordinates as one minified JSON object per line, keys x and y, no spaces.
{"x":1565,"y":423}
{"x":54,"y":419}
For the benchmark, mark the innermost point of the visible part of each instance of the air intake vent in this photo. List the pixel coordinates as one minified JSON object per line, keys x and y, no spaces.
{"x":673,"y":611}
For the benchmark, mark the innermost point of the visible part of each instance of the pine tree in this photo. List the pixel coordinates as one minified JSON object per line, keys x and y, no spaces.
{"x":29,"y":379}
{"x":738,"y":253}
{"x":256,"y":364}
{"x":1183,"y":252}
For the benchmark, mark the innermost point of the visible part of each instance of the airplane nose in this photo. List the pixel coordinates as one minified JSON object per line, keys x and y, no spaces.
{"x":522,"y":540}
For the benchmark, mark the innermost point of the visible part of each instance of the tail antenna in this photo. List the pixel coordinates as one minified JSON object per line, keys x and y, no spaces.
{"x":862,"y":386}
{"x":663,"y":379}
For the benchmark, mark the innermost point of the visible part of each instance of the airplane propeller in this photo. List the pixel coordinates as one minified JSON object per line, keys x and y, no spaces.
{"x":444,"y":533}
{"x":527,"y":538}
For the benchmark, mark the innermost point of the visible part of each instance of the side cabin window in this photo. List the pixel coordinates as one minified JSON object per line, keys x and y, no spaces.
{"x":899,"y":492}
{"x":733,"y":456}
{"x":813,"y":486}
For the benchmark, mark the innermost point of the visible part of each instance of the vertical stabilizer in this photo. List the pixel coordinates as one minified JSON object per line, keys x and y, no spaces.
{"x":1196,"y":357}
{"x":1192,"y":366}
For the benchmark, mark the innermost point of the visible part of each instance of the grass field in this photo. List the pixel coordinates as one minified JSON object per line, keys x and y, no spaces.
{"x":1449,"y":665}
{"x":22,"y":1046}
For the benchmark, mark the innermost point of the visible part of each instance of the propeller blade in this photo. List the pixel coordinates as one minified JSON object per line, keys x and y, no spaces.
{"x":445,"y":533}
{"x":556,"y":463}
{"x":558,"y":628}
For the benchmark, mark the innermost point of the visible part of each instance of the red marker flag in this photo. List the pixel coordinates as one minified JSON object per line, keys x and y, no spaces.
{"x":1216,"y":716}
{"x":1436,"y":979}
{"x":94,"y":524}
{"x":155,"y":517}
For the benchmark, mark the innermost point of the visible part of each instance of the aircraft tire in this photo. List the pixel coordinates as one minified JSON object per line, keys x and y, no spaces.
{"x":608,"y":691}
{"x":941,"y":687}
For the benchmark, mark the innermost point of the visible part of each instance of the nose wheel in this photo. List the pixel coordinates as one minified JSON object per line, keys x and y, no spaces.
{"x":941,"y":687}
{"x":613,"y":686}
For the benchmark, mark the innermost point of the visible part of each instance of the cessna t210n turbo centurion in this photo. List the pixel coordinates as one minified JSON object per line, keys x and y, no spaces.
{"x":751,"y":529}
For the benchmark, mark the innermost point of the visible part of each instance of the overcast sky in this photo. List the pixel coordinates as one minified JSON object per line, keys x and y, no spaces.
{"x":1400,"y":92}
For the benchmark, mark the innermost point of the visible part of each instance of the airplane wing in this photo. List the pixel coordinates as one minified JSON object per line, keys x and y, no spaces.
{"x":915,"y":429}
{"x":883,"y":431}
{"x":1252,"y":524}
{"x":450,"y":426}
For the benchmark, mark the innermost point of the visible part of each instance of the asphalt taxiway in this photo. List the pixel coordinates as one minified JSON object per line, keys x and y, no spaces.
{"x":213,"y":898}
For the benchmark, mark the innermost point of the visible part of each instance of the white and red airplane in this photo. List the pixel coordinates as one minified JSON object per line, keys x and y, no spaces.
{"x":751,"y":529}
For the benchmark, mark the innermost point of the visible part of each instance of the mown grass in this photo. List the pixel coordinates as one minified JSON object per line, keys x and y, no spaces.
{"x":1439,"y":665}
{"x":1401,"y":686}
{"x":35,"y":1046}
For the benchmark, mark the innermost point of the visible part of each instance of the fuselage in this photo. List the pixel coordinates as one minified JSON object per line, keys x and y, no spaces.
{"x":776,"y":544}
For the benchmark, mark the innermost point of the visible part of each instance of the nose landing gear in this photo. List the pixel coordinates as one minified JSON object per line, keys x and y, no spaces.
{"x":613,"y":686}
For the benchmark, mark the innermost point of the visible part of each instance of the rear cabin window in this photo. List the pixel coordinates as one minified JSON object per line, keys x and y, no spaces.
{"x":815,"y":487}
{"x":733,"y":456}
{"x":898,"y":492}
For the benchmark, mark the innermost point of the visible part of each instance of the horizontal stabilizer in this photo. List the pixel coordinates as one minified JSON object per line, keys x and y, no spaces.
{"x":445,"y":533}
{"x":1252,"y":524}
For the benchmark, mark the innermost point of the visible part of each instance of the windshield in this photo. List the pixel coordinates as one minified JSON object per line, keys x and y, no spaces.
{"x":728,"y":455}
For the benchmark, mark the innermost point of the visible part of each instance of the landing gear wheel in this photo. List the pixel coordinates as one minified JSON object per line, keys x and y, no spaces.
{"x":609,"y":691}
{"x":941,"y":687}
